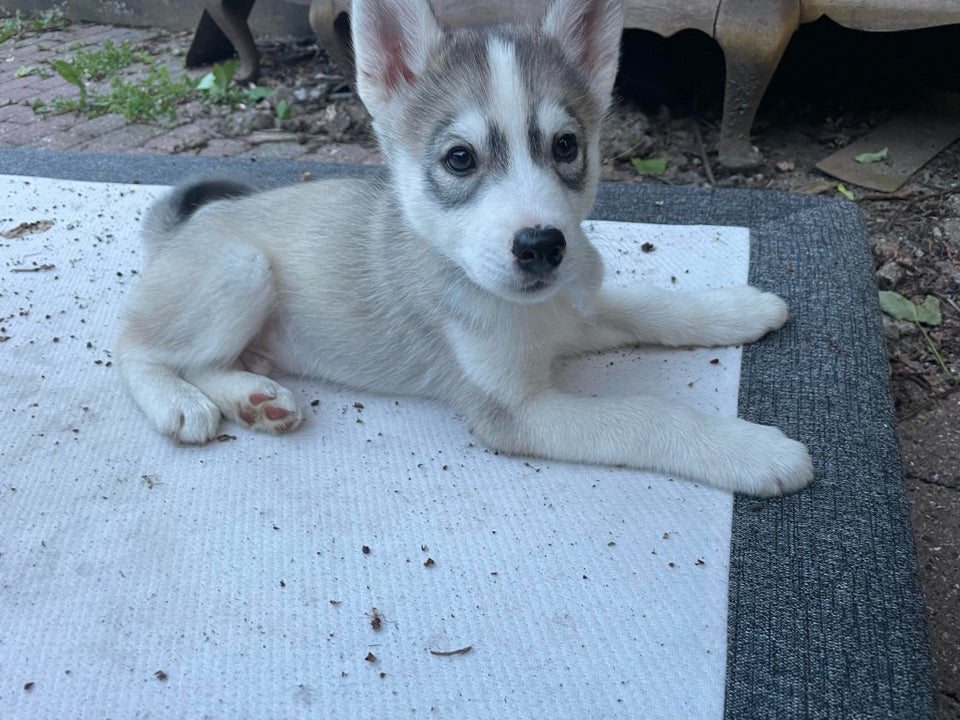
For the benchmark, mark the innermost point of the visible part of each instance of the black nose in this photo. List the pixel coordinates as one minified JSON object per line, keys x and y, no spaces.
{"x":539,"y":250}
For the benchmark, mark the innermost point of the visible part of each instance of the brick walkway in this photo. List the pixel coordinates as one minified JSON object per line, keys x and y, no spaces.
{"x":191,"y":132}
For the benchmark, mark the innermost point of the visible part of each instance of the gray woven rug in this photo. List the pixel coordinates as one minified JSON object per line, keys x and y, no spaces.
{"x":825,"y":616}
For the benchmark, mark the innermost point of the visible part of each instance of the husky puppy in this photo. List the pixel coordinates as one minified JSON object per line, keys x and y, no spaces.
{"x":461,"y":277}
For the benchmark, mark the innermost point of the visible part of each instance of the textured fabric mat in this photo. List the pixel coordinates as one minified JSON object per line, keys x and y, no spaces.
{"x":825,"y":614}
{"x":238,"y":570}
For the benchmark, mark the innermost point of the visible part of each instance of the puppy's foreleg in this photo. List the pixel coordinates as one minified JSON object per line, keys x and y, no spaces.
{"x":651,"y":434}
{"x":173,"y":406}
{"x":731,"y":316}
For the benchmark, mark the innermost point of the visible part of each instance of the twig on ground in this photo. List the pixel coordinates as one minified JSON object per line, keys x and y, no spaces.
{"x":703,"y":154}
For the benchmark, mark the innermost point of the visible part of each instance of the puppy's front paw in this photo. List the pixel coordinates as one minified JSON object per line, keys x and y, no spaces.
{"x":187,"y":416}
{"x":747,"y":314}
{"x":770,"y":463}
{"x":765,"y":312}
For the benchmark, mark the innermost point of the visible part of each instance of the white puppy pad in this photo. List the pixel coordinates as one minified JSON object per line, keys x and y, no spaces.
{"x":239,"y":580}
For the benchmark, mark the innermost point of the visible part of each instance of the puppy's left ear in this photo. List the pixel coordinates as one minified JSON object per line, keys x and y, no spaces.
{"x":392,"y":42}
{"x":589,"y":32}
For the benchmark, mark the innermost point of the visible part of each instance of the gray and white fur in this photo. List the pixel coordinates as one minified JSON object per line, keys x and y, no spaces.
{"x":461,"y":277}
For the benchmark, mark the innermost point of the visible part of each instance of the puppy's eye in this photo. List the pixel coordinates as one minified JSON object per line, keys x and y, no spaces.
{"x":565,"y":148}
{"x":460,"y":161}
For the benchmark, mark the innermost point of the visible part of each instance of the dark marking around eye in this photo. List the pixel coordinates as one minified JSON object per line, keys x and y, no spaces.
{"x":535,"y":141}
{"x":497,"y":149}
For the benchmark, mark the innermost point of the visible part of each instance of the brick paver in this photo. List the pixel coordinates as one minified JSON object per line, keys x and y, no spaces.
{"x":224,"y":147}
{"x":179,"y":139}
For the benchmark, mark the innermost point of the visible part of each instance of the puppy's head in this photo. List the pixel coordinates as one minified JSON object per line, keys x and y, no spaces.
{"x":492,"y":137}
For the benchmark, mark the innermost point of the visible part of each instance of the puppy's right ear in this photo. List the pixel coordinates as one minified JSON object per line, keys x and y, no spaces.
{"x":392,"y":42}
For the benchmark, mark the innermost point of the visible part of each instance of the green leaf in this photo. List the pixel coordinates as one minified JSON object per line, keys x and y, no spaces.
{"x":650,"y":166}
{"x":223,"y":73}
{"x":258,"y":93}
{"x":842,"y":189}
{"x":873,"y":157}
{"x":207,"y":82}
{"x":929,"y":312}
{"x":283,"y":110}
{"x":69,"y":72}
{"x":897,"y":306}
{"x":25,"y":70}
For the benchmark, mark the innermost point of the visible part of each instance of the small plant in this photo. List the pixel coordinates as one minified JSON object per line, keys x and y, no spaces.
{"x":216,"y":86}
{"x":25,"y":70}
{"x":149,"y":96}
{"x":17,"y":27}
{"x":154,"y":95}
{"x":11,"y":27}
{"x":104,"y":62}
{"x":71,"y":73}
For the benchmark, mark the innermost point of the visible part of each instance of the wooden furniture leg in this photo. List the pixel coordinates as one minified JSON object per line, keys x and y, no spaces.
{"x":331,"y":25}
{"x":753,"y":35}
{"x":223,"y":28}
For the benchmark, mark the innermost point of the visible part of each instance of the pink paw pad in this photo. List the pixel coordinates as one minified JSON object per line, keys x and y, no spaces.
{"x":271,"y":411}
{"x":259,"y":411}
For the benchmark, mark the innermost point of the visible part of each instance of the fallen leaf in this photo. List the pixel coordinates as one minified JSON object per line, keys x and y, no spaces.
{"x":650,"y":166}
{"x":897,"y":306}
{"x":842,"y":189}
{"x":786,"y":165}
{"x":872,"y":157}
